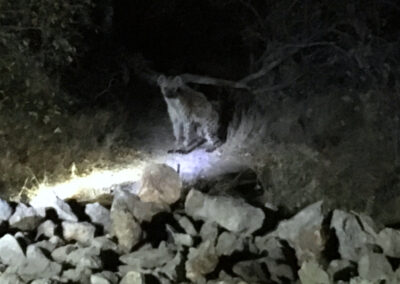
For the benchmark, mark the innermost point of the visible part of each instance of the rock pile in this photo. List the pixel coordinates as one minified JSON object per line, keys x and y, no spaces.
{"x":200,"y":238}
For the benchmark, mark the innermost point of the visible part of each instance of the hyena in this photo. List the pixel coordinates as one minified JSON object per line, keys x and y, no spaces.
{"x":194,"y":119}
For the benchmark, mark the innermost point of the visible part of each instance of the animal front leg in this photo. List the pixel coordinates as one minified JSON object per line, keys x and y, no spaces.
{"x":211,"y":134}
{"x":190,"y":138}
{"x":178,"y":133}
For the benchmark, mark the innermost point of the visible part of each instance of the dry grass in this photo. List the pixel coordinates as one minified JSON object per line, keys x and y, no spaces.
{"x":34,"y":150}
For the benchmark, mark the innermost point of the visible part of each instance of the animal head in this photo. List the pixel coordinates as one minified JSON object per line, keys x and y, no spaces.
{"x":170,"y":86}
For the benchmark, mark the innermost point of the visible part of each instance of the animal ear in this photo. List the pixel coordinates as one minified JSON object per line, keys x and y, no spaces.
{"x":161,"y":79}
{"x":178,"y":80}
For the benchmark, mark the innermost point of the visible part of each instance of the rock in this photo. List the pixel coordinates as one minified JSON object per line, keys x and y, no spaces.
{"x":312,"y":273}
{"x":3,"y":267}
{"x":304,"y":232}
{"x":224,"y":278}
{"x":47,"y":229}
{"x":100,"y":277}
{"x":83,"y":257}
{"x":342,"y":269}
{"x":44,"y":281}
{"x":104,"y":243}
{"x":186,"y":224}
{"x":5,"y":210}
{"x":99,"y":215}
{"x":133,"y":277}
{"x":375,"y":268}
{"x":229,"y":243}
{"x":209,"y":231}
{"x":82,"y":232}
{"x":252,"y":271}
{"x":87,"y":257}
{"x":11,"y":252}
{"x":37,"y":265}
{"x":47,"y":245}
{"x":11,"y":278}
{"x":271,"y":245}
{"x":60,"y":254}
{"x":278,"y":271}
{"x":178,"y":238}
{"x":148,"y":257}
{"x":160,"y":184}
{"x":141,"y":211}
{"x":62,"y":208}
{"x":125,"y":228}
{"x":232,"y":214}
{"x":351,"y":235}
{"x":170,"y":269}
{"x":389,"y":240}
{"x":201,"y":261}
{"x":359,"y":280}
{"x":25,"y":218}
{"x":77,"y":275}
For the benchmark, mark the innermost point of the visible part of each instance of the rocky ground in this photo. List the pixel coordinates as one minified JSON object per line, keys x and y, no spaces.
{"x":168,"y":233}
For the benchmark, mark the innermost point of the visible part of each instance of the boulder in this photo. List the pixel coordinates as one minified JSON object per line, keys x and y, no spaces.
{"x":77,"y":275}
{"x":25,"y":218}
{"x":125,"y":228}
{"x":186,"y":224}
{"x":87,"y":257}
{"x":5,"y":210}
{"x":304,"y":232}
{"x":375,"y":267}
{"x":44,"y":281}
{"x":209,"y":231}
{"x":133,"y":277}
{"x":342,"y":269}
{"x":37,"y":265}
{"x":148,"y":258}
{"x":11,"y":252}
{"x":271,"y":245}
{"x":11,"y":278}
{"x":160,"y":184}
{"x":278,"y":271}
{"x":312,"y":273}
{"x":47,"y":229}
{"x":228,"y":243}
{"x":49,"y":245}
{"x":352,"y":235}
{"x":171,"y":270}
{"x":98,"y":279}
{"x":178,"y":238}
{"x":83,"y":257}
{"x":104,"y":243}
{"x":104,"y":277}
{"x":62,"y":208}
{"x":99,"y":215}
{"x":201,"y":261}
{"x":140,"y":210}
{"x":60,"y":254}
{"x":233,"y":214}
{"x":252,"y":271}
{"x":389,"y":240}
{"x":224,"y":278}
{"x":82,"y":232}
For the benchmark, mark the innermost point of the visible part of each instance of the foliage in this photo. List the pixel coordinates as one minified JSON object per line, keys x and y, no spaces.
{"x":38,"y":39}
{"x":353,"y":44}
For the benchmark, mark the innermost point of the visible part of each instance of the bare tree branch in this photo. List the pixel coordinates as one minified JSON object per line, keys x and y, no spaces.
{"x":205,"y":80}
{"x":271,"y":65}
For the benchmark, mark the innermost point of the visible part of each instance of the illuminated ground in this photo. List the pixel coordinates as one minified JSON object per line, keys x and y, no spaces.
{"x":152,"y":143}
